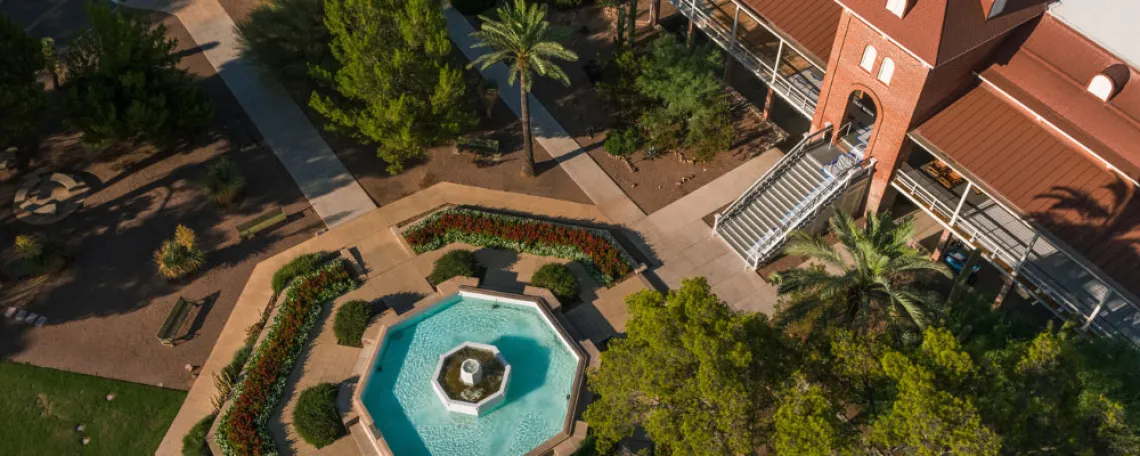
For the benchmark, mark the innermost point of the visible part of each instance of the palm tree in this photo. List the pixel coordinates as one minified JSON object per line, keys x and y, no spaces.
{"x":877,"y":273}
{"x":524,"y":41}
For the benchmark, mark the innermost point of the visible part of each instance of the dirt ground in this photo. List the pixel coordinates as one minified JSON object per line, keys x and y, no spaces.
{"x":104,"y":310}
{"x":652,"y":184}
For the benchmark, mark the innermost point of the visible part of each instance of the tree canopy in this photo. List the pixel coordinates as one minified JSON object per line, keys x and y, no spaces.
{"x":287,"y":37}
{"x":395,"y":83}
{"x":686,"y":372}
{"x":21,"y":96}
{"x":123,"y":83}
{"x":702,"y":379}
{"x":877,"y":279}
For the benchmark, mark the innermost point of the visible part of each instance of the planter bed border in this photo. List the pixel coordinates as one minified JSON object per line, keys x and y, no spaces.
{"x":401,"y":230}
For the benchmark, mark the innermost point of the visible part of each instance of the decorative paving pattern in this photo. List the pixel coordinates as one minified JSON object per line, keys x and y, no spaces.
{"x":44,"y":199}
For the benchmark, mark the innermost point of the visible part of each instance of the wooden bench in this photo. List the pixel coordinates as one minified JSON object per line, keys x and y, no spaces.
{"x":477,"y":144}
{"x":175,"y":321}
{"x":261,"y":223}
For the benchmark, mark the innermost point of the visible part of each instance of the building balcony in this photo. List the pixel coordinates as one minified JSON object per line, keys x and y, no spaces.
{"x":1063,"y":282}
{"x":759,"y":48}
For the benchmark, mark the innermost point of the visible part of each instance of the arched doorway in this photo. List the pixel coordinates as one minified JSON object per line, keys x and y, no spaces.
{"x":859,"y":121}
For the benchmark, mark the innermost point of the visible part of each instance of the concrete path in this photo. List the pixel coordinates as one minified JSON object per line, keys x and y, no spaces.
{"x":602,"y":190}
{"x":687,"y":247}
{"x":331,"y":190}
{"x":382,"y":254}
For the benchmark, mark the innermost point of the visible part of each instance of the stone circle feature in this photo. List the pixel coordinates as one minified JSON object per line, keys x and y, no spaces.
{"x":471,"y":378}
{"x":43,"y":199}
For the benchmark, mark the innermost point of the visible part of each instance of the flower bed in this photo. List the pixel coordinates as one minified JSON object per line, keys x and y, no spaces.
{"x":595,"y":249}
{"x":243,"y":428}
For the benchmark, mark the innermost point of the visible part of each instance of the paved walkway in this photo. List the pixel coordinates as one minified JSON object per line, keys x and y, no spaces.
{"x":686,"y":246}
{"x":381,"y":253}
{"x":594,"y":181}
{"x":331,"y":190}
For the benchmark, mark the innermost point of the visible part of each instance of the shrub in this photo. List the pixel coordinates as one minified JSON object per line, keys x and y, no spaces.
{"x":299,"y":266}
{"x":242,"y":430}
{"x":179,"y":256}
{"x":558,"y":279}
{"x":623,"y":142}
{"x":225,"y":379}
{"x":566,"y":4}
{"x":472,"y":7}
{"x":223,"y":181}
{"x":595,"y":249}
{"x":316,"y":418}
{"x":351,"y":320}
{"x":456,"y":263}
{"x":37,"y":257}
{"x":194,"y":443}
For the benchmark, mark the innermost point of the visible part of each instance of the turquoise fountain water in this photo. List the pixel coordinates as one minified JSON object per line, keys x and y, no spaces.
{"x":412,"y":419}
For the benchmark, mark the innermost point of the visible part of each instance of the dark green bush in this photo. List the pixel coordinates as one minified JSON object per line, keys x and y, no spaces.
{"x":300,"y":266}
{"x":455,"y":263}
{"x":223,"y":181}
{"x":316,"y":418}
{"x":351,"y":320}
{"x":566,"y":4}
{"x":558,"y":279}
{"x":472,"y":7}
{"x":623,"y":142}
{"x":194,"y":443}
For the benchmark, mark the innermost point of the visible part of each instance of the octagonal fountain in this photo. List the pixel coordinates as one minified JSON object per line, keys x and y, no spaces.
{"x":471,"y":378}
{"x":472,"y":373}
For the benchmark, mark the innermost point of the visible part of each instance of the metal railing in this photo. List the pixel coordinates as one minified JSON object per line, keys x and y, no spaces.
{"x":767,"y":71}
{"x":1015,"y":264}
{"x":807,"y":209}
{"x":774,"y":173}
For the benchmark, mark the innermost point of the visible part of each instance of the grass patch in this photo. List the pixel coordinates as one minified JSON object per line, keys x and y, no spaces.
{"x":42,"y":407}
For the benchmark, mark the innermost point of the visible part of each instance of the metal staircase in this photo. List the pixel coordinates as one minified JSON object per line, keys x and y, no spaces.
{"x":791,"y":194}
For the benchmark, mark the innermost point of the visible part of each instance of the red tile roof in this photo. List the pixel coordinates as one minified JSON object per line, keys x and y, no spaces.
{"x":810,"y":24}
{"x":1048,"y":66}
{"x":941,"y":30}
{"x":1044,"y":176}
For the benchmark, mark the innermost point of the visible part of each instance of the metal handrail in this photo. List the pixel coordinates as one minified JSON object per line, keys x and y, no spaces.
{"x":1077,"y":302}
{"x":820,"y":197}
{"x":770,"y":176}
{"x":718,"y":33}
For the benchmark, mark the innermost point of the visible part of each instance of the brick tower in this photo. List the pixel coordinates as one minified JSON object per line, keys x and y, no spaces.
{"x":894,"y":62}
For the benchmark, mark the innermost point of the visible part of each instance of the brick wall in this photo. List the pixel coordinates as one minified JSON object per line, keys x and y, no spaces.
{"x":895,"y":103}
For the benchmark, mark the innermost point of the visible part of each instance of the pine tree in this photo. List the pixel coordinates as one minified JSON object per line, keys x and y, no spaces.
{"x":21,"y":96}
{"x":123,"y":83}
{"x":396,"y":86}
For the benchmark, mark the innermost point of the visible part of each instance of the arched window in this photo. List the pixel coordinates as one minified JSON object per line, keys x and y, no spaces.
{"x":868,"y":60}
{"x":1102,"y":87}
{"x":887,"y":70}
{"x":898,"y":7}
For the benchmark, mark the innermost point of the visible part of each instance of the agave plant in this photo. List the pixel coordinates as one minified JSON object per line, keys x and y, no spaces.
{"x":223,"y":181}
{"x":179,"y":256}
{"x":38,"y":257}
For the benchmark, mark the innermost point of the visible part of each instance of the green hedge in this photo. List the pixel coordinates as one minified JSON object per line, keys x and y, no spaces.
{"x":351,"y":321}
{"x":594,"y":248}
{"x":558,"y":279}
{"x":194,"y":443}
{"x":243,"y":428}
{"x":298,"y":267}
{"x":316,"y":418}
{"x":456,"y":263}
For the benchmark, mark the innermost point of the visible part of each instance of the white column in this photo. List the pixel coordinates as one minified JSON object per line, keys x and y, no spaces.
{"x":1025,"y":254}
{"x":961,"y":202}
{"x":776,"y":65}
{"x":1096,"y":311}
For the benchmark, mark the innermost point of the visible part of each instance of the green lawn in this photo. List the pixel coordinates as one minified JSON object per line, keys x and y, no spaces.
{"x":40,"y":409}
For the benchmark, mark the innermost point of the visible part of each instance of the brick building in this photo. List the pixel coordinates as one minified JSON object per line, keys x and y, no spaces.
{"x":1014,"y":124}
